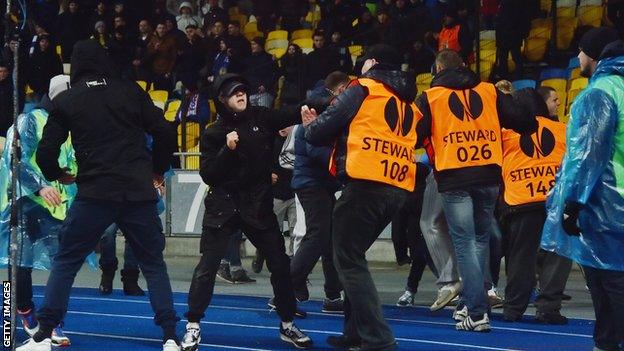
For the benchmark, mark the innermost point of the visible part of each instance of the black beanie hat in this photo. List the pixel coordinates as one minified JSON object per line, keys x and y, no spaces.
{"x":596,"y":39}
{"x":383,"y":53}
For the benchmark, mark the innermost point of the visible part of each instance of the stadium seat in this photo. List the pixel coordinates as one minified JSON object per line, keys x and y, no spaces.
{"x":304,"y":43}
{"x":486,"y":68}
{"x":578,"y":83}
{"x":192,"y":134}
{"x":541,"y":28}
{"x":574,"y":62}
{"x":574,"y":73}
{"x":524,"y":83}
{"x":486,"y":54}
{"x":591,"y":2}
{"x":192,"y":162}
{"x":276,"y":44}
{"x":251,"y":27}
{"x":59,"y":51}
{"x":535,"y":49}
{"x":566,"y":11}
{"x":546,"y":5}
{"x":355,"y":50}
{"x":142,"y":84}
{"x":550,"y":73}
{"x":159,"y":95}
{"x":67,"y":68}
{"x":556,"y":83}
{"x":487,"y":44}
{"x":301,"y":34}
{"x":172,"y":109}
{"x":591,"y":15}
{"x":565,"y":31}
{"x":252,"y":35}
{"x":423,"y":81}
{"x":242,"y":19}
{"x":487,"y":35}
{"x":278,"y":34}
{"x":233,"y":11}
{"x":277,"y":52}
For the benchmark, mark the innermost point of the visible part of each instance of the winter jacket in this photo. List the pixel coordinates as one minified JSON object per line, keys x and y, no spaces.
{"x":311,"y":164}
{"x":164,"y":57}
{"x":591,"y":173}
{"x":510,"y":115}
{"x":108,"y":119}
{"x":240,"y":179}
{"x":260,"y":69}
{"x":42,"y":66}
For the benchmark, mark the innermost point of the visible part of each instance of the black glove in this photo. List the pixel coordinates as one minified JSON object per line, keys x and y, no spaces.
{"x":570,"y":218}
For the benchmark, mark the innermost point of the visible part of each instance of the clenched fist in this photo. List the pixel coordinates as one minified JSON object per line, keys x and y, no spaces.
{"x":231,"y":140}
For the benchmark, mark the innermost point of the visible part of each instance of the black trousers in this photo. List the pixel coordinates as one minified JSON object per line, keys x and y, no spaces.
{"x":360,"y":215}
{"x":318,"y":205}
{"x":24,"y":288}
{"x":607,"y":292}
{"x":522,"y":232}
{"x":214,"y":245}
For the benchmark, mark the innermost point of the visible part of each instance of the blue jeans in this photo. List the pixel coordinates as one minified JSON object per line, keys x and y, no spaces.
{"x":82,"y":229}
{"x":108,"y":255}
{"x":470,"y":217}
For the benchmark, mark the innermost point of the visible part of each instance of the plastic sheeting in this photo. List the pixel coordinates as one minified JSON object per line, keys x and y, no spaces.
{"x":592,"y":168}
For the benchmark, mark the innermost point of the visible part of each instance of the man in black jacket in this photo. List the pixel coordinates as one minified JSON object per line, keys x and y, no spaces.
{"x":236,"y":162}
{"x":375,"y":115}
{"x":108,"y":119}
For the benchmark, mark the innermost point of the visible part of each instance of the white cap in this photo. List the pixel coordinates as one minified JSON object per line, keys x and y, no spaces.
{"x":58,"y":84}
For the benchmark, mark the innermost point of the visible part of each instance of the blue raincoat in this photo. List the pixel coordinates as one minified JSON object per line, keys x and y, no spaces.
{"x":592,"y":174}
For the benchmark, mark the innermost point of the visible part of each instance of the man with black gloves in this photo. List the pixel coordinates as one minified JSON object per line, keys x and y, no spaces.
{"x":236,"y":162}
{"x":586,"y":206}
{"x":108,"y":120}
{"x":372,"y":125}
{"x":461,"y":130}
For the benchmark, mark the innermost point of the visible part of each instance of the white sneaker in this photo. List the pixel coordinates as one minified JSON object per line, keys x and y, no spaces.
{"x":192,"y":338}
{"x":407,"y":299}
{"x":482,"y":325}
{"x":460,"y":314}
{"x":171,"y":345}
{"x":494,"y":299}
{"x":32,"y":345}
{"x":445,"y":295}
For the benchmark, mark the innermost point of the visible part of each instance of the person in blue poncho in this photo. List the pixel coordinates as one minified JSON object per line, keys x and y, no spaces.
{"x":43,"y":207}
{"x":586,"y":207}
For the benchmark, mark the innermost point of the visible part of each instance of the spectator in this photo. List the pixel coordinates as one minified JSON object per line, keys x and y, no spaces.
{"x":120,"y":22}
{"x":101,"y":14}
{"x":100,"y":34}
{"x":121,"y":52}
{"x":160,"y":12}
{"x":186,"y":17}
{"x":213,"y":13}
{"x":45,"y":13}
{"x":162,"y":53}
{"x":42,"y":66}
{"x":512,"y":27}
{"x":120,"y":10}
{"x":615,"y":13}
{"x":420,"y":58}
{"x":265,"y":12}
{"x":34,"y":42}
{"x":238,"y":44}
{"x":292,"y":67}
{"x":292,"y":13}
{"x":140,"y":64}
{"x":191,"y":58}
{"x":552,"y":100}
{"x":221,"y":62}
{"x":455,"y":36}
{"x":6,"y":99}
{"x":172,"y":29}
{"x":489,"y":10}
{"x":386,"y":30}
{"x":261,"y":73}
{"x":320,"y":62}
{"x":340,"y":47}
{"x":70,"y":29}
{"x":364,"y":32}
{"x":401,"y":13}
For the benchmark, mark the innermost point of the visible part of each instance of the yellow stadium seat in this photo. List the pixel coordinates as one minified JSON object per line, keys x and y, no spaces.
{"x":278,"y":52}
{"x":59,"y":51}
{"x":540,"y":31}
{"x":487,"y":44}
{"x":242,"y":19}
{"x":142,"y":84}
{"x":276,"y":44}
{"x":578,"y":83}
{"x":159,"y":95}
{"x":304,"y":43}
{"x":423,"y":81}
{"x":545,"y":4}
{"x":487,"y":54}
{"x":278,"y":34}
{"x":192,"y":134}
{"x":301,"y":34}
{"x":565,"y":31}
{"x":486,"y":69}
{"x":252,"y":35}
{"x":535,"y":49}
{"x":67,"y":68}
{"x":233,"y":11}
{"x":591,"y":15}
{"x":572,"y":94}
{"x":575,"y":73}
{"x":192,"y":162}
{"x":487,"y":35}
{"x":174,"y":105}
{"x":251,"y":27}
{"x":558,"y":84}
{"x":355,"y":50}
{"x":566,"y":11}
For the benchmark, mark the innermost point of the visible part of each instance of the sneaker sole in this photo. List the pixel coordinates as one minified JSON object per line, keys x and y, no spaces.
{"x":244,"y":282}
{"x":478,"y":329}
{"x":225,"y":280}
{"x":443,"y":303}
{"x":294,"y":343}
{"x":408,"y":305}
{"x":190,"y":348}
{"x":65,"y":343}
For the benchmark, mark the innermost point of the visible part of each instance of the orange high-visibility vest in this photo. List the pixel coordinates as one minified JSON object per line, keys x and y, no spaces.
{"x":530,"y":162}
{"x":465,"y":131}
{"x":449,"y":39}
{"x":382,"y":137}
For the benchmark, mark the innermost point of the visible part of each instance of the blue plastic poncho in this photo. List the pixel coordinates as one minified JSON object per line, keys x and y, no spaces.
{"x":39,"y":223}
{"x":592,"y":174}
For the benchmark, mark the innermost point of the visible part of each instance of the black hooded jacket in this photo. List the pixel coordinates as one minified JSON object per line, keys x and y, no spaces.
{"x":108,"y":119}
{"x":333,"y":124}
{"x":510,"y":115}
{"x":240,"y":179}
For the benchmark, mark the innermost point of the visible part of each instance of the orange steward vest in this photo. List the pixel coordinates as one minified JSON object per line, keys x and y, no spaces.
{"x":530,"y":163}
{"x":449,"y":39}
{"x":382,"y":138}
{"x":465,"y":131}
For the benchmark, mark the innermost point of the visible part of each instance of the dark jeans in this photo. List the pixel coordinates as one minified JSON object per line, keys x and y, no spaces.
{"x":213,"y":247}
{"x":108,"y":254}
{"x":523,"y":232}
{"x":24,"y":288}
{"x":470,"y":216}
{"x":360,"y":215}
{"x":318,"y":205}
{"x":607,"y":292}
{"x":86,"y":221}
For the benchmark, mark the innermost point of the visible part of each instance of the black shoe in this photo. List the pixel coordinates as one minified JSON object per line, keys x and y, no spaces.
{"x":333,"y":306}
{"x":257,"y":263}
{"x":241,"y":277}
{"x":130,"y":280}
{"x":298,"y":313}
{"x":511,"y":319}
{"x":295,"y":336}
{"x":343,"y":342}
{"x":106,"y":283}
{"x":224,"y":273}
{"x":551,"y":318}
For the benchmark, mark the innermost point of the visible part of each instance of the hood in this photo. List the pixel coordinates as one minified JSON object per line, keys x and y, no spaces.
{"x":222,"y":111}
{"x":185,"y":4}
{"x":611,"y":60}
{"x":401,"y":83}
{"x":89,"y":60}
{"x":458,"y":78}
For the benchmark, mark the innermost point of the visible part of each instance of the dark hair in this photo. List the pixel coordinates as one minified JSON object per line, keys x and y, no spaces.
{"x":319,"y":33}
{"x":545,"y":92}
{"x":531,"y":100}
{"x":235,"y":23}
{"x":192,"y":26}
{"x":334,"y":79}
{"x":259,"y":40}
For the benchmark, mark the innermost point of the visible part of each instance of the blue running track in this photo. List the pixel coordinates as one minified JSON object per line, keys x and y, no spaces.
{"x":117,"y":322}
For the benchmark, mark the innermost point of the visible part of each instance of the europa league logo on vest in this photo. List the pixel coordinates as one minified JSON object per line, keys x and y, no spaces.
{"x":474,"y":105}
{"x":397,"y":124}
{"x":544,"y":145}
